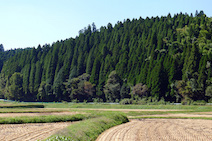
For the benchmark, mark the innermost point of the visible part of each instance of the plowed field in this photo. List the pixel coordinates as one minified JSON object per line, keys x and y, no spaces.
{"x":160,"y":130}
{"x":29,"y":132}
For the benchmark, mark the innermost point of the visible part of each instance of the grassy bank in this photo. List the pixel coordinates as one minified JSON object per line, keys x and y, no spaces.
{"x":33,"y":110}
{"x":89,"y":130}
{"x":43,"y":119}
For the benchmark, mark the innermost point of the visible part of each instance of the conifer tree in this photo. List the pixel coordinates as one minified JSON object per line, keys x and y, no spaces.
{"x":95,"y":71}
{"x":15,"y":88}
{"x":32,"y":78}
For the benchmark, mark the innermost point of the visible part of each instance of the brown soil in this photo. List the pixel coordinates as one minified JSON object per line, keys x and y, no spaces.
{"x":29,"y":132}
{"x":160,"y":130}
{"x":204,"y":113}
{"x":36,"y":114}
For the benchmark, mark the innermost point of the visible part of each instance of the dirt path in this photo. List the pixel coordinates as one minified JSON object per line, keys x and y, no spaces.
{"x":208,"y":115}
{"x":29,"y":132}
{"x":160,"y":130}
{"x":127,"y":110}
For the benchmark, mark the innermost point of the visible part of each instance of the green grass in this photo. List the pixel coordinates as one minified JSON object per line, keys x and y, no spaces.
{"x":44,"y":119}
{"x":102,"y":106}
{"x":89,"y":130}
{"x":32,"y":110}
{"x":114,"y":106}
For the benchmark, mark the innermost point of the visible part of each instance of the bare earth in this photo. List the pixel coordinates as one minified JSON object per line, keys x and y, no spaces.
{"x":29,"y":132}
{"x":205,"y":114}
{"x":135,"y":130}
{"x":127,"y":110}
{"x":160,"y":130}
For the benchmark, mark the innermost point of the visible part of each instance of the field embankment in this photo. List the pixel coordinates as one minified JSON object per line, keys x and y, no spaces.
{"x":37,"y":114}
{"x":89,"y":130}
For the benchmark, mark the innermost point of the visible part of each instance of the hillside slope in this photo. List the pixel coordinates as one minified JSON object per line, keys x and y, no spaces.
{"x":170,"y":56}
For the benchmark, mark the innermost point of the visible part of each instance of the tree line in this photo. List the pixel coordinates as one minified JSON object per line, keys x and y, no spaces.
{"x":161,"y":57}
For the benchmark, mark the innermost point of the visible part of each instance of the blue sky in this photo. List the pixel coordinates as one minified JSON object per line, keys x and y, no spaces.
{"x":27,"y":23}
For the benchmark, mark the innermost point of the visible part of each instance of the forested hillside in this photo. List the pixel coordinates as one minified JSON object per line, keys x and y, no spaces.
{"x":159,"y":57}
{"x":5,"y":55}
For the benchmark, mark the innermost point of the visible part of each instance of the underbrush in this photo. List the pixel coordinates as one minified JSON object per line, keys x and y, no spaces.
{"x":43,"y":119}
{"x":90,"y":129}
{"x":153,"y":101}
{"x":144,"y":101}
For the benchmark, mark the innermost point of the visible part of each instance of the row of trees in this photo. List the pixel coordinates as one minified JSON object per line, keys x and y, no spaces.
{"x":167,"y":57}
{"x":78,"y":88}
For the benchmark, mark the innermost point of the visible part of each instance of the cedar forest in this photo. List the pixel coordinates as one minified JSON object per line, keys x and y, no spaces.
{"x":164,"y":57}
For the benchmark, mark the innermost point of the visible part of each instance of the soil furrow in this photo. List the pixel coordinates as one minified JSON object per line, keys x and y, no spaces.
{"x":160,"y":129}
{"x":24,"y":132}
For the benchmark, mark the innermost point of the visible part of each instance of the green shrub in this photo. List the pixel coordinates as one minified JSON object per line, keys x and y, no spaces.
{"x":199,"y":102}
{"x":126,"y":101}
{"x":59,"y":138}
{"x":210,"y":100}
{"x":75,"y":101}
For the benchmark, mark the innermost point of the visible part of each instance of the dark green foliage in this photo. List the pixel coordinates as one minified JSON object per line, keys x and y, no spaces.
{"x":112,"y":87}
{"x":1,"y":48}
{"x":41,"y":96}
{"x":58,"y":86}
{"x":95,"y":71}
{"x":125,"y":91}
{"x":172,"y":56}
{"x":14,"y":86}
{"x":79,"y":88}
{"x":140,"y":90}
{"x":209,"y":91}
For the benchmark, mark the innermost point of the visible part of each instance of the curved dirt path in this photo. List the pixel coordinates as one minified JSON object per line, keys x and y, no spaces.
{"x":29,"y":132}
{"x":160,"y":130}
